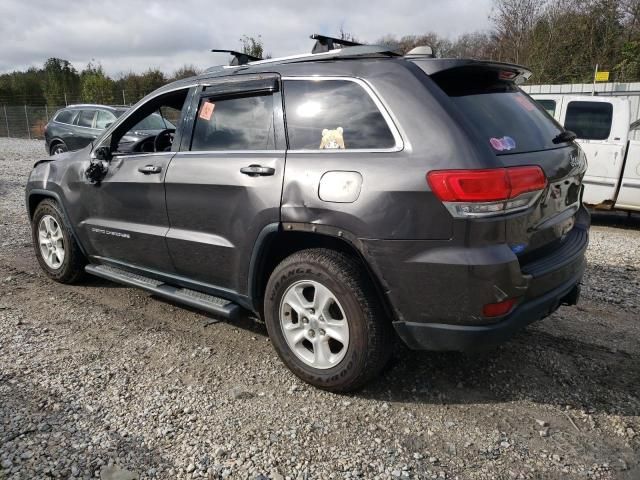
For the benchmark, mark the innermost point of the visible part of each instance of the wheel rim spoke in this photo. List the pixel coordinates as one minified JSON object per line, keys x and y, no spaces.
{"x":322,"y":354}
{"x":322,"y":299}
{"x":338,"y":332}
{"x":296,"y":300}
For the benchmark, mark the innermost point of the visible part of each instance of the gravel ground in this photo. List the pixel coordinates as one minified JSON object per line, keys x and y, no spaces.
{"x":103,"y":381}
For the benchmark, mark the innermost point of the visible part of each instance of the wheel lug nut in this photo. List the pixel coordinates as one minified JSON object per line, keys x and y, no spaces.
{"x":321,"y":332}
{"x":312,"y":311}
{"x":312,"y":333}
{"x":305,"y":320}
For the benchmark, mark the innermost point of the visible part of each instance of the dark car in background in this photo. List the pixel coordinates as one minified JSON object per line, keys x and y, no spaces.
{"x":76,"y":126}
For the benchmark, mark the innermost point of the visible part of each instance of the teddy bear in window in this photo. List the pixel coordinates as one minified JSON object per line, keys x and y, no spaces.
{"x":332,"y":139}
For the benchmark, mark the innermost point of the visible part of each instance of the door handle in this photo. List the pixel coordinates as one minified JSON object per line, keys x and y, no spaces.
{"x":147,"y":169}
{"x":257,"y":170}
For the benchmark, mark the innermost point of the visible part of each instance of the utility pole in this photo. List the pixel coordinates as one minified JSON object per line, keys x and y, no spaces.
{"x":595,"y":74}
{"x":124,"y":99}
{"x":65,"y":100}
{"x":6,"y":121}
{"x":26,"y":115}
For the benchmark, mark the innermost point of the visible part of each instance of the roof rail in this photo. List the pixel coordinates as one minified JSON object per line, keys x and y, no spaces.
{"x":239,"y":58}
{"x":324,"y":43}
{"x":348,"y":52}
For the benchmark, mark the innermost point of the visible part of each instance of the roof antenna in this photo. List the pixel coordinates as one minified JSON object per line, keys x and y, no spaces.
{"x":239,"y":58}
{"x":324,"y":43}
{"x":421,"y":51}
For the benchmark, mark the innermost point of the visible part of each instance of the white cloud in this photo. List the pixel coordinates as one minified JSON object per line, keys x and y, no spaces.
{"x":135,"y":35}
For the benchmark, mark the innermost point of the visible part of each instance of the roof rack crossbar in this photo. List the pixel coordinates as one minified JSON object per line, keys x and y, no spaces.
{"x":239,"y":58}
{"x":325,"y":43}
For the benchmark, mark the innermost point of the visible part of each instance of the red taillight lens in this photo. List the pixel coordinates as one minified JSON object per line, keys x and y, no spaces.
{"x":498,"y":309}
{"x":485,"y":185}
{"x":526,"y":179}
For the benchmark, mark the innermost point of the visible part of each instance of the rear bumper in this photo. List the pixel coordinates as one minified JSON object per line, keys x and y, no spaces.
{"x":445,"y":337}
{"x":437,"y":293}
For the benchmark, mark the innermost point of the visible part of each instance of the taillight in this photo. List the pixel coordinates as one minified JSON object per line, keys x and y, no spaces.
{"x":487,"y":192}
{"x":498,"y":309}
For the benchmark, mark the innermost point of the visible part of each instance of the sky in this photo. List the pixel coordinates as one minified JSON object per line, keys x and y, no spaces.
{"x":135,"y":35}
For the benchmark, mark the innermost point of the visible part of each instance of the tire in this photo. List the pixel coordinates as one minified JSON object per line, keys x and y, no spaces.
{"x":347,"y":365}
{"x":58,"y":148}
{"x":67,"y":265}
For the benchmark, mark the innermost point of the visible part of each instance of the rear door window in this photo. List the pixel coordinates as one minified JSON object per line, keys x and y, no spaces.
{"x":589,"y":120}
{"x":333,"y":114}
{"x":502,"y":115}
{"x":239,"y":123}
{"x":85,"y":119}
{"x":549,"y":106}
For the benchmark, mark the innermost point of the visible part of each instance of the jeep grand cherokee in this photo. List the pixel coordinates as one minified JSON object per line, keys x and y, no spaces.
{"x":341,"y":196}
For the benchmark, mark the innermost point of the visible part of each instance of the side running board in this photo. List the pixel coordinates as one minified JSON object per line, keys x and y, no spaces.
{"x":192,"y":298}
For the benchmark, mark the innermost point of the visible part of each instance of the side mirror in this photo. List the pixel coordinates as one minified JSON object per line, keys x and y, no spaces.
{"x":103,"y":153}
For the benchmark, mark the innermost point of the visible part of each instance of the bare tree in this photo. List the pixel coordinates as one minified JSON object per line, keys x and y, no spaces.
{"x":513,"y":22}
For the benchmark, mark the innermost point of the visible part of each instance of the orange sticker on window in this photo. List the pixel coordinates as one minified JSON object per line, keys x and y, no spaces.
{"x":206,"y":110}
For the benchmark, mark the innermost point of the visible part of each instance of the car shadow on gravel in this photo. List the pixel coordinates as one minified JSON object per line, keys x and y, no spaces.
{"x":535,"y":366}
{"x":245,"y":320}
{"x":616,"y":219}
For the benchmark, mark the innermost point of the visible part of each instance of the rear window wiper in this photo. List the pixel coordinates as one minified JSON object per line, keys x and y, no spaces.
{"x":565,"y":136}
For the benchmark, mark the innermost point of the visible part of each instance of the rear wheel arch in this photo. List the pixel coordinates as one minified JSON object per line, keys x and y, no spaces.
{"x":277,"y":245}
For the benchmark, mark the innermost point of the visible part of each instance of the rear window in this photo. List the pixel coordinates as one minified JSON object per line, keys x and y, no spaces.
{"x":85,"y":119}
{"x":65,"y":116}
{"x":333,"y":114}
{"x":589,"y":120}
{"x":501,"y":114}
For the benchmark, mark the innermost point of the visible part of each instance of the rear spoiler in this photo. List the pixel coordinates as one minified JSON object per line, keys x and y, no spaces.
{"x":506,"y":71}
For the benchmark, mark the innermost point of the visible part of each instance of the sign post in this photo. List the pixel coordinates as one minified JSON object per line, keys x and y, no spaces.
{"x":599,"y":77}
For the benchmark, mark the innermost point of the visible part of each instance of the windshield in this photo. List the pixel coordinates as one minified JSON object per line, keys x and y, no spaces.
{"x":152,"y":122}
{"x":503,"y":115}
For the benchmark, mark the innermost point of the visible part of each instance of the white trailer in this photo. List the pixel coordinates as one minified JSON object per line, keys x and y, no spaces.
{"x":604,"y":131}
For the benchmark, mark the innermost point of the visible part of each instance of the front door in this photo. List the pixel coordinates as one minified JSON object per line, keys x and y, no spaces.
{"x":224,"y":185}
{"x":126,"y":212}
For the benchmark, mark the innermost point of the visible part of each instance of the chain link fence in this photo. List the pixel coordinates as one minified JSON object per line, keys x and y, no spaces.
{"x":25,"y":121}
{"x":29,"y":119}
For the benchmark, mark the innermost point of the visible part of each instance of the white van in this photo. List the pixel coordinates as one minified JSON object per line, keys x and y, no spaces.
{"x":603,"y":127}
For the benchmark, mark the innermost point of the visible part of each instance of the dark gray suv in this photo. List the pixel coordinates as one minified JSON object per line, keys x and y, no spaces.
{"x":341,"y":196}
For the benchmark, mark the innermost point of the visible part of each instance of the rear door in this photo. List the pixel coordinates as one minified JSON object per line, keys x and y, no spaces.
{"x":602,"y":129}
{"x":224,"y":185}
{"x":84,"y":131}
